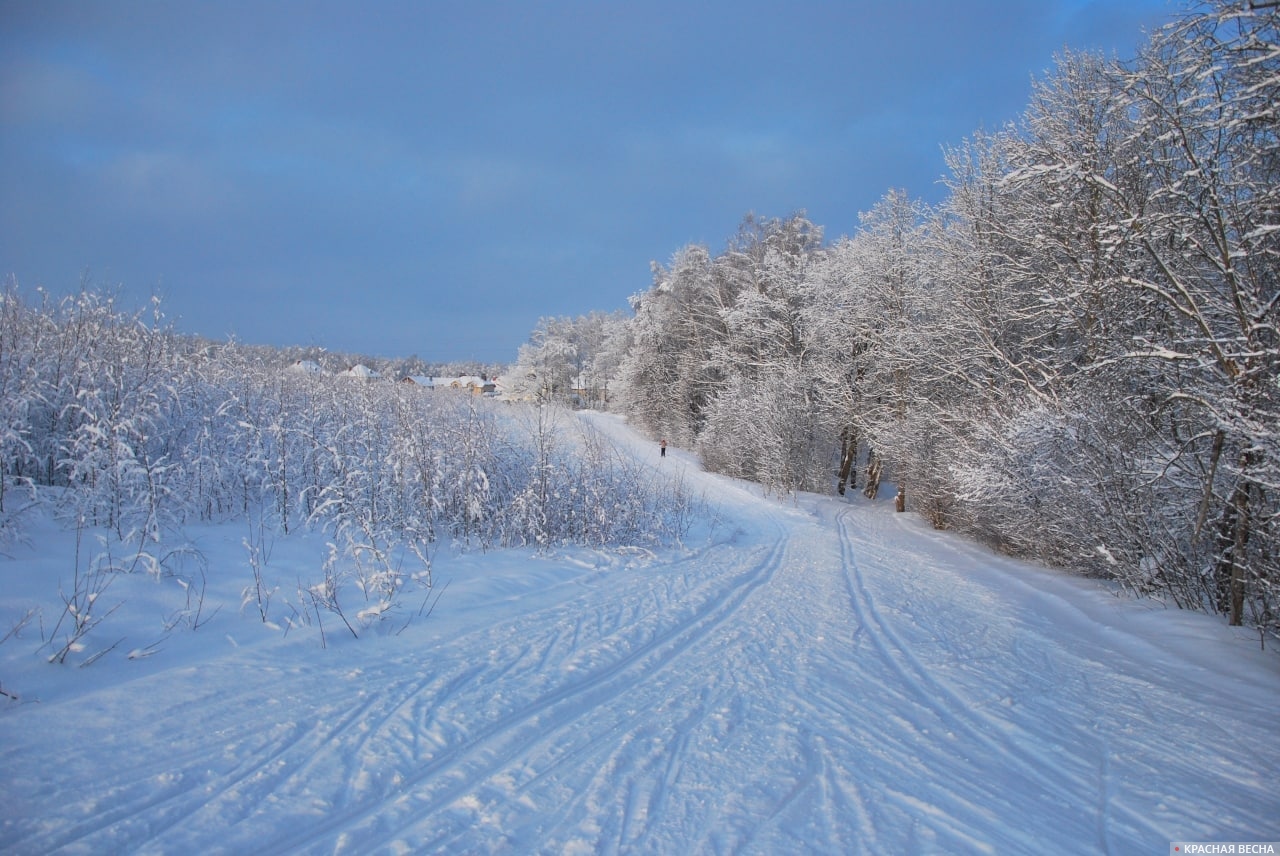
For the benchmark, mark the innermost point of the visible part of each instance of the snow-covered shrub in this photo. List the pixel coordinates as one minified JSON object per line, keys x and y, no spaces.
{"x":575,"y":487}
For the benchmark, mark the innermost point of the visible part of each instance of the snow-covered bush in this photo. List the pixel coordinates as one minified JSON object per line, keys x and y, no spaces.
{"x":124,"y":425}
{"x":575,"y":487}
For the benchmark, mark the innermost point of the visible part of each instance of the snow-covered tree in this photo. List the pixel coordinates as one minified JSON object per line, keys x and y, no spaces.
{"x":1074,"y":355}
{"x":665,"y":382}
{"x":569,"y":360}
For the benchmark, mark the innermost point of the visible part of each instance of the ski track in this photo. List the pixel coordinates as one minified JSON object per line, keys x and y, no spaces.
{"x":942,"y":699}
{"x":514,"y":734}
{"x":825,"y":677}
{"x":937,"y":700}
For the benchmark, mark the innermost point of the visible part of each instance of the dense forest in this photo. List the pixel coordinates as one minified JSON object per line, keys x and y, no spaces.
{"x":1074,"y":356}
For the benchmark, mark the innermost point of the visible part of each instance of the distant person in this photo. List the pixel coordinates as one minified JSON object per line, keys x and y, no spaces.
{"x":662,"y":444}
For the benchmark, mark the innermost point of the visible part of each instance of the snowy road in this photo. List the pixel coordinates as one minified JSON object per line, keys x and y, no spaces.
{"x":821,"y":676}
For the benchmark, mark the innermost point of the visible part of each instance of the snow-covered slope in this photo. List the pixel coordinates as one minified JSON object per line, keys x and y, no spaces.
{"x":809,"y":675}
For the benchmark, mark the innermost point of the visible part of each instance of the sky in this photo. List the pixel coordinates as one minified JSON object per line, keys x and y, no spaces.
{"x":431,"y":178}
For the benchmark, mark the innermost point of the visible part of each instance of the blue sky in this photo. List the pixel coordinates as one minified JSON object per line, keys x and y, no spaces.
{"x":430,"y":178}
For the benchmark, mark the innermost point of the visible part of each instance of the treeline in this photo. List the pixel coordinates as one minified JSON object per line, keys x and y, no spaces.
{"x":122,"y":423}
{"x":1075,"y":356}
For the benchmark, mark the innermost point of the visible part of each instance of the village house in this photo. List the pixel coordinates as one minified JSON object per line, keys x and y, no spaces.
{"x":360,"y":372}
{"x":476,"y":385}
{"x":307,"y":367}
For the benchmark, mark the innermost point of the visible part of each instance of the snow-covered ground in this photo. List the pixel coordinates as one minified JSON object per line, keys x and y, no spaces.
{"x":809,"y":675}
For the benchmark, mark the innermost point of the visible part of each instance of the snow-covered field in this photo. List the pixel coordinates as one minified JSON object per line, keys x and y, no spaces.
{"x":809,"y":675}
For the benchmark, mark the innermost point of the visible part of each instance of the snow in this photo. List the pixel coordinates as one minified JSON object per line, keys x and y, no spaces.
{"x":361,"y":371}
{"x":807,"y":675}
{"x":307,"y":367}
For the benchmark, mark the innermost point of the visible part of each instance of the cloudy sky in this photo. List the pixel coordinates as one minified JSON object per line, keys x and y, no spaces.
{"x":395,"y":178}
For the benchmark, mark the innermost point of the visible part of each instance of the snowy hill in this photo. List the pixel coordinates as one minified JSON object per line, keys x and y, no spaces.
{"x":815,"y":675}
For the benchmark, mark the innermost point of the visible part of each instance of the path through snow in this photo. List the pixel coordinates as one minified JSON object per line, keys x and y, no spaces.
{"x":820,"y":676}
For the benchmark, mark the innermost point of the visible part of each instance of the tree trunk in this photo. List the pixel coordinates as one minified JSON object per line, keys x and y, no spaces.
{"x":1214,"y":455}
{"x":873,"y":475}
{"x":1239,"y":561}
{"x":848,"y":457}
